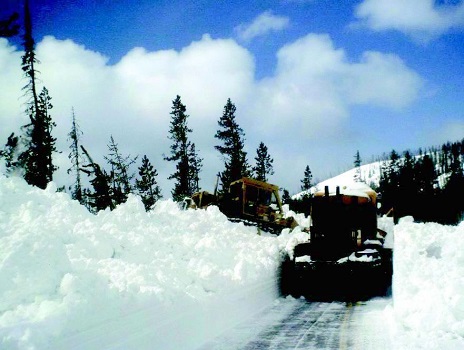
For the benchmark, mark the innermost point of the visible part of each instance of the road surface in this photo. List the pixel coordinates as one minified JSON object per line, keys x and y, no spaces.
{"x":301,"y":324}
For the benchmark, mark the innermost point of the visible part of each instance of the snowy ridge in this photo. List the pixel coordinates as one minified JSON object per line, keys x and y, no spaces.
{"x":370,"y":174}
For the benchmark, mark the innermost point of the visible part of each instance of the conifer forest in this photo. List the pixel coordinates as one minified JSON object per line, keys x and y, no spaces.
{"x":427,"y":183}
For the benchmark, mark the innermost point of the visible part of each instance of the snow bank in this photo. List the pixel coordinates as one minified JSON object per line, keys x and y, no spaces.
{"x":428,"y":285}
{"x":173,"y":279}
{"x":125,"y":279}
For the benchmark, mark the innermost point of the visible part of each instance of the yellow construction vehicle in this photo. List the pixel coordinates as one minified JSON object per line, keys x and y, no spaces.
{"x":249,"y":201}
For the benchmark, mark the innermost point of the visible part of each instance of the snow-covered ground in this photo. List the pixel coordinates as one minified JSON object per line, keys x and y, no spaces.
{"x":173,"y":279}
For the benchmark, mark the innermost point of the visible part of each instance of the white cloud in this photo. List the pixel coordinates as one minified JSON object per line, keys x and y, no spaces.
{"x":294,"y":111}
{"x":263,"y":24}
{"x":421,"y":19}
{"x":315,"y":85}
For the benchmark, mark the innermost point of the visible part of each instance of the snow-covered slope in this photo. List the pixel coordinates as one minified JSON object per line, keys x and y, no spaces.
{"x":125,"y":279}
{"x":172,"y":279}
{"x":370,"y":174}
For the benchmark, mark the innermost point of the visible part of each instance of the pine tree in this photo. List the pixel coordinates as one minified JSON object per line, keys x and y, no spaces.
{"x":37,"y":158}
{"x":306,"y":183}
{"x":39,"y":145}
{"x":389,"y":182}
{"x":74,"y":156}
{"x":28,"y":64}
{"x":146,"y":185}
{"x":357,"y":167}
{"x":183,"y":152}
{"x":232,"y":150}
{"x":286,"y":199}
{"x":9,"y":152}
{"x":263,"y":165}
{"x":101,"y":197}
{"x":195,"y":165}
{"x":426,"y":175}
{"x":120,"y":173}
{"x":407,"y":186}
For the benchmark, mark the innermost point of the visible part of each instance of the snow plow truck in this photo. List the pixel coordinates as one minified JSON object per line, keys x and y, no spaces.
{"x":253,"y":202}
{"x":345,"y":254}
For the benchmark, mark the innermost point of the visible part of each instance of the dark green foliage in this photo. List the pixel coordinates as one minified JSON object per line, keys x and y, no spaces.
{"x":36,"y":159}
{"x":263,"y":165}
{"x":195,"y":164}
{"x":300,"y":205}
{"x":232,"y":149}
{"x":357,"y":167}
{"x":39,"y":145}
{"x":9,"y":152}
{"x":101,"y":197}
{"x":9,"y":27}
{"x":286,"y":199}
{"x":120,"y":176}
{"x":74,"y":156}
{"x":183,"y":152}
{"x":410,"y":185}
{"x":146,"y":184}
{"x":306,"y":182}
{"x":28,"y":65}
{"x":454,"y":188}
{"x":303,"y":203}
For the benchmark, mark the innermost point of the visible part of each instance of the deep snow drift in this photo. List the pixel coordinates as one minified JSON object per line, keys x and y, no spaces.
{"x":173,"y":279}
{"x":125,"y":279}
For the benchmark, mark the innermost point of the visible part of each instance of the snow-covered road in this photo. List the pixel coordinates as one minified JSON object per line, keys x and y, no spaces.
{"x":300,"y":324}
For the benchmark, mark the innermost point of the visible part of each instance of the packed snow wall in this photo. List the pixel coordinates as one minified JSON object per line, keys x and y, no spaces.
{"x":167,"y":279}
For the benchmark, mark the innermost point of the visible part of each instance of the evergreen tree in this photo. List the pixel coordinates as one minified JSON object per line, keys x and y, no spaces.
{"x":389,"y":182}
{"x":146,"y":185}
{"x":426,"y":175}
{"x":9,"y":152}
{"x":195,"y":165}
{"x":101,"y":197}
{"x":357,"y":167}
{"x":74,"y":156}
{"x":39,"y":145}
{"x":37,"y":158}
{"x":427,"y":194}
{"x":232,"y":150}
{"x":306,"y":183}
{"x":183,"y":152}
{"x":263,"y":165}
{"x":407,"y":186}
{"x":286,"y":199}
{"x":28,"y":65}
{"x":454,"y":188}
{"x":120,"y":173}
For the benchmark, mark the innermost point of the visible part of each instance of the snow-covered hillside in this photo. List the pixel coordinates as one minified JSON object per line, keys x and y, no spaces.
{"x":369,"y":174}
{"x":173,"y":279}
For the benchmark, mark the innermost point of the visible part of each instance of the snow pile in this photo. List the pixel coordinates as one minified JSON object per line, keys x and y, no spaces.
{"x":174,"y":279}
{"x":428,"y":285}
{"x":125,"y":279}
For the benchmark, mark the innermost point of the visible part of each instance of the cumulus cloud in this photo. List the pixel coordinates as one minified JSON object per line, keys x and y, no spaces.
{"x":421,"y":19}
{"x":315,"y":85}
{"x":263,"y":24}
{"x":308,"y":97}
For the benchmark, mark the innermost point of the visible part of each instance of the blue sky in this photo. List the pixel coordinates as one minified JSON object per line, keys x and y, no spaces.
{"x":314,"y":80}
